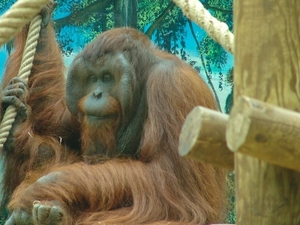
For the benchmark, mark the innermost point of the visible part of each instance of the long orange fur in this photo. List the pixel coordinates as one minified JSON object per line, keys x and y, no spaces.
{"x":40,"y":141}
{"x":158,"y":188}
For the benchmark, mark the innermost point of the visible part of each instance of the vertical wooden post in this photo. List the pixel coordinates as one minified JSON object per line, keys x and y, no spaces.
{"x":267,"y":67}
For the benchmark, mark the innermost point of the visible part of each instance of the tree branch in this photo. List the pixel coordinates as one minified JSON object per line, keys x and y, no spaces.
{"x":83,"y":15}
{"x":159,"y":20}
{"x":205,"y":70}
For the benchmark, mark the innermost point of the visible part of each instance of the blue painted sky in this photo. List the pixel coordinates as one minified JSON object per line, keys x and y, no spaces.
{"x":3,"y":56}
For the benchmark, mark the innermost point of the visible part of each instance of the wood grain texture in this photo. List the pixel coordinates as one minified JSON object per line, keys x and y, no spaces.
{"x":267,"y":67}
{"x":265,"y":131}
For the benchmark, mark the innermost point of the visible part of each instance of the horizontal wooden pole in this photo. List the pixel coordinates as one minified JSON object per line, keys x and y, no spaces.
{"x":203,"y":138}
{"x":265,"y":131}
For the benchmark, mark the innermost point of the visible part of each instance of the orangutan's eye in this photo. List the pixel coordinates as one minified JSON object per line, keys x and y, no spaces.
{"x":93,"y":78}
{"x":107,"y":78}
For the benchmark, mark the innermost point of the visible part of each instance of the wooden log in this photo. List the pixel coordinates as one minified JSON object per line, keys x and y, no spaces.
{"x":267,"y":56}
{"x":265,"y":131}
{"x":203,"y":138}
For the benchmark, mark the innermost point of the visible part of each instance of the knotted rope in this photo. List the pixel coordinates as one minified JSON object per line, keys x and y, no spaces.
{"x":16,"y":17}
{"x":219,"y":31}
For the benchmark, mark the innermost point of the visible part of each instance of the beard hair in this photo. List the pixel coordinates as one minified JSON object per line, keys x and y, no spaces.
{"x":98,"y":141}
{"x":98,"y":135}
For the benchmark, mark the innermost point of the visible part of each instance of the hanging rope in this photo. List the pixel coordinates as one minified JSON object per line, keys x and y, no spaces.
{"x":219,"y":31}
{"x":17,"y":16}
{"x":24,"y":72}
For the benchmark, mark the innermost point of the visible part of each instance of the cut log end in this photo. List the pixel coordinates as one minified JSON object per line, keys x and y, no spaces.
{"x":236,"y":131}
{"x":190,"y":131}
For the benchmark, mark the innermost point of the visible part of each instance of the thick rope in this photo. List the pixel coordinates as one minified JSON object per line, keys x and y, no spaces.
{"x":17,"y":16}
{"x":219,"y":31}
{"x":24,"y":72}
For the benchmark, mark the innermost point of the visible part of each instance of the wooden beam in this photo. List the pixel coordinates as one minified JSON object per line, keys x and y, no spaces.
{"x":264,"y":131}
{"x":267,"y":56}
{"x":203,"y":138}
